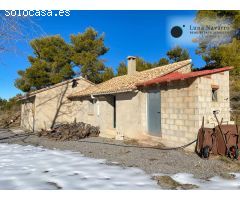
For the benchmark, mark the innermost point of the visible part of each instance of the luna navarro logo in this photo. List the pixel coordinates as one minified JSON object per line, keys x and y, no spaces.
{"x":210,"y":28}
{"x":177,"y":31}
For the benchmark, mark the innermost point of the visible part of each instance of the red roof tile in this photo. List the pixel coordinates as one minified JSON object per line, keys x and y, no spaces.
{"x":179,"y":76}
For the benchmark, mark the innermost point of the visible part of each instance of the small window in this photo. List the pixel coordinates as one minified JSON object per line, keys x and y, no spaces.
{"x":214,"y":94}
{"x":74,"y":83}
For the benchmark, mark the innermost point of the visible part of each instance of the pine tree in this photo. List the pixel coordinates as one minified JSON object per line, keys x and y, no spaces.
{"x":87,"y":47}
{"x":50,"y":64}
{"x":163,"y":61}
{"x":107,"y":74}
{"x":177,"y":54}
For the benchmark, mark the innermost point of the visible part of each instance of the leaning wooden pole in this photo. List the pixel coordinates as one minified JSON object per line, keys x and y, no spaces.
{"x":219,"y":126}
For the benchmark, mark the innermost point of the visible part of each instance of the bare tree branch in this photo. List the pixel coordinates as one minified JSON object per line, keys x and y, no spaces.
{"x":14,"y":30}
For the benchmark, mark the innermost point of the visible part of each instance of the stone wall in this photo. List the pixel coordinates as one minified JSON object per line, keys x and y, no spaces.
{"x":27,"y":115}
{"x":205,"y":104}
{"x":178,"y":112}
{"x":104,"y":111}
{"x":52,"y":106}
{"x":130,"y":114}
{"x":98,"y":112}
{"x":184,"y":103}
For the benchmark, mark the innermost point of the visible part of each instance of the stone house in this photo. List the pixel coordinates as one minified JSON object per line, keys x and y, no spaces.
{"x":43,"y":108}
{"x":164,"y":104}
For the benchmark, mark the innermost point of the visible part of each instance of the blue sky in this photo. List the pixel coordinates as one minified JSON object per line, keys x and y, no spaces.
{"x":140,"y":33}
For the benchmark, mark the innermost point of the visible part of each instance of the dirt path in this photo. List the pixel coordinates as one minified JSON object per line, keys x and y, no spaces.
{"x":117,"y":152}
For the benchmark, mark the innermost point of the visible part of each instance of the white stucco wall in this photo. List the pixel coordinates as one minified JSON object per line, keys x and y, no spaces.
{"x":53,"y":106}
{"x":101,"y":114}
{"x":130,"y":120}
{"x":27,"y":115}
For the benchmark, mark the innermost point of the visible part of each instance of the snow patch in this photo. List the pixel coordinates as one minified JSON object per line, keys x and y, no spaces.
{"x":29,"y":167}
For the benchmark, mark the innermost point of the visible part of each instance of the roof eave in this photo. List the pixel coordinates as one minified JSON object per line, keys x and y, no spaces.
{"x":158,"y":81}
{"x":103,"y":93}
{"x":31,"y":94}
{"x":187,"y":62}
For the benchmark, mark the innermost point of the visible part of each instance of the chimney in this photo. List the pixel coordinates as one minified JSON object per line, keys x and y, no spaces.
{"x":131,"y":68}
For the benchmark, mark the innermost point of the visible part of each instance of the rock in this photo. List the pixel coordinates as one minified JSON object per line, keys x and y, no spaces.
{"x":228,"y":176}
{"x":152,"y":159}
{"x":55,"y":185}
{"x":189,"y":186}
{"x":167,"y":182}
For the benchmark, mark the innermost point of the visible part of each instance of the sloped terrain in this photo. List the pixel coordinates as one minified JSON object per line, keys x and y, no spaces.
{"x":9,"y":118}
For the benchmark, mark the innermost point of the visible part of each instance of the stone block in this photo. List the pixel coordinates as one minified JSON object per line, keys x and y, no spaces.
{"x":189,"y":111}
{"x":173,"y":116}
{"x":190,"y":123}
{"x":179,"y":122}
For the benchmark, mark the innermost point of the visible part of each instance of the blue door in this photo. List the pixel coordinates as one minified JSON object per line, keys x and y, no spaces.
{"x":154,"y":113}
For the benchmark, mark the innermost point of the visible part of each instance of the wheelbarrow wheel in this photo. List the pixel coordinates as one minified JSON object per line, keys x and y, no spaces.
{"x":237,"y":153}
{"x":233,"y":152}
{"x":205,"y":152}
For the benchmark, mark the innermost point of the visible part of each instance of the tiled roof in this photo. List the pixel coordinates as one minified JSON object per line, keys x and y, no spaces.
{"x":31,"y":94}
{"x":179,"y":76}
{"x":129,"y":82}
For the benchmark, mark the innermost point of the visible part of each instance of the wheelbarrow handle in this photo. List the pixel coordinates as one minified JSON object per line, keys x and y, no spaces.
{"x":219,"y":126}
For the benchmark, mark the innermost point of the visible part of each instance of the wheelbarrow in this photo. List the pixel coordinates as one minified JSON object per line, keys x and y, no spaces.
{"x":223,"y":139}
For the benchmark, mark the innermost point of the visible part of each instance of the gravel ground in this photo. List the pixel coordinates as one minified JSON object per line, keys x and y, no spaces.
{"x":152,"y":161}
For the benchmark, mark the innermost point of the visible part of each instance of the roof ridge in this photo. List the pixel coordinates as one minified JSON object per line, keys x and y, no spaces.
{"x":179,"y":62}
{"x":129,"y":82}
{"x":147,"y":70}
{"x":29,"y":94}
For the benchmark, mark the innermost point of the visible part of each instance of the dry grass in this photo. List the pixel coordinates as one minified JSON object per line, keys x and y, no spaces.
{"x":159,"y":146}
{"x":7,"y":116}
{"x":131,"y":142}
{"x":235,"y":116}
{"x":140,"y":143}
{"x":231,"y":164}
{"x":225,"y":159}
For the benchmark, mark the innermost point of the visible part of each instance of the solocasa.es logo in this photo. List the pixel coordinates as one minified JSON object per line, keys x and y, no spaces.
{"x":176,"y":31}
